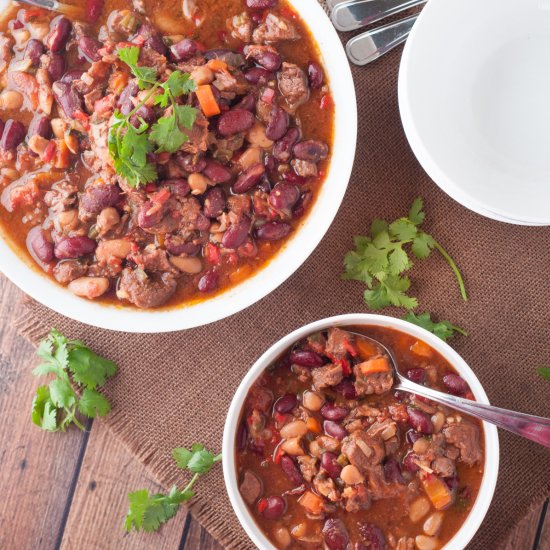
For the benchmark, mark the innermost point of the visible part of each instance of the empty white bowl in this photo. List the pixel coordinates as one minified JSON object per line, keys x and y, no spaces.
{"x":474,"y":89}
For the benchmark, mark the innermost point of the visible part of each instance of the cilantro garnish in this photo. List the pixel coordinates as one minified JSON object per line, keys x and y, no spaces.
{"x":149,"y":511}
{"x":544,"y":372}
{"x":443,"y":329}
{"x":56,"y":405}
{"x":380,"y":259}
{"x":129,"y":146}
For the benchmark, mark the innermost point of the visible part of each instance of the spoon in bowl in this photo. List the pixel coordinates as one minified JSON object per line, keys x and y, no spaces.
{"x":53,"y":5}
{"x":531,"y":427}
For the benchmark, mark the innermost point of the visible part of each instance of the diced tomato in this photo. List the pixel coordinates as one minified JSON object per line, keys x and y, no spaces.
{"x":350,"y":348}
{"x":49,"y":152}
{"x":212,"y":254}
{"x":151,"y":187}
{"x":162,"y":196}
{"x":232,"y":259}
{"x":33,"y":13}
{"x":135,"y":248}
{"x":326,"y":102}
{"x":83,"y":118}
{"x":278,"y":455}
{"x":262,"y":505}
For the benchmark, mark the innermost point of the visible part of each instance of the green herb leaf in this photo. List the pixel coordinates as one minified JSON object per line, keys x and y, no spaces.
{"x":146,"y":75}
{"x":93,"y":404}
{"x":442,"y":329}
{"x":544,"y":372}
{"x":44,"y":412}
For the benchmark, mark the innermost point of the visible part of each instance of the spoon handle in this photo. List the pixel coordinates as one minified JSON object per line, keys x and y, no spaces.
{"x":531,"y":427}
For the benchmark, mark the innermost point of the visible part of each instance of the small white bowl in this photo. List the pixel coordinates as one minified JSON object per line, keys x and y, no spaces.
{"x":473,"y":94}
{"x":280,"y":268}
{"x":488,"y":483}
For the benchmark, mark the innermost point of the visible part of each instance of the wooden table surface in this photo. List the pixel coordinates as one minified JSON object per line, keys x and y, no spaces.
{"x":69,"y":490}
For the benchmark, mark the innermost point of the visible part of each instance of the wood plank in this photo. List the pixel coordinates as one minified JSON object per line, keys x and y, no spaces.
{"x":96,"y":518}
{"x":197,"y":537}
{"x":544,"y":541}
{"x":524,"y":536}
{"x":36,"y":468}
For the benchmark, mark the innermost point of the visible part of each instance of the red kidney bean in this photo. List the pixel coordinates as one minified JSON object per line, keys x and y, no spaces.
{"x":231,"y":58}
{"x":284,"y":196}
{"x":315,"y":75}
{"x":282,"y":150}
{"x":125,"y":99}
{"x":306,"y":358}
{"x":237,"y":233}
{"x":202,"y":223}
{"x":346,"y":388}
{"x":60,"y":30}
{"x":286,"y":403}
{"x":311,"y":150}
{"x":273,"y":508}
{"x":178,"y":186}
{"x":335,"y":534}
{"x":235,"y":121}
{"x":413,"y":436}
{"x":88,"y":49}
{"x":93,"y":10}
{"x":97,"y":197}
{"x":330,"y":411}
{"x":409,"y":462}
{"x":452,"y":482}
{"x":39,"y":245}
{"x":190,"y":163}
{"x":392,"y":472}
{"x":248,"y":102}
{"x":74,"y":247}
{"x":329,"y":461}
{"x":67,"y":98}
{"x":270,"y":61}
{"x":273,"y":231}
{"x":293,"y":177}
{"x":264,"y":184}
{"x":177,"y":247}
{"x":216,"y":172}
{"x":277,"y":124}
{"x":55,"y":65}
{"x":214,"y":202}
{"x":249,"y":178}
{"x":260,"y":4}
{"x":416,"y":375}
{"x":209,"y":281}
{"x":271,"y":168}
{"x":455,"y":384}
{"x":291,"y":470}
{"x":258,"y":75}
{"x":373,"y":535}
{"x":147,"y":219}
{"x":144,"y":112}
{"x":40,"y":126}
{"x":13,"y":134}
{"x":242,"y":436}
{"x":184,"y":50}
{"x":420,"y":421}
{"x":2,"y":126}
{"x":33,"y":51}
{"x":334,"y":429}
{"x":302,"y":204}
{"x":151,"y":38}
{"x":70,"y":76}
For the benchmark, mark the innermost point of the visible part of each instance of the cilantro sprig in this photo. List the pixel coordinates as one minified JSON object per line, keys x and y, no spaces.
{"x":442,"y":329}
{"x":381,"y":259}
{"x":149,"y":511}
{"x":129,"y":146}
{"x":74,"y":365}
{"x":544,"y":372}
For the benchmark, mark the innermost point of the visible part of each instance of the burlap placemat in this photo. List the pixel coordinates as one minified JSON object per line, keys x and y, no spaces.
{"x":175,"y":389}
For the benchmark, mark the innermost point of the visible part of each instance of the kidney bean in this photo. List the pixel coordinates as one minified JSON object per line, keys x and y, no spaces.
{"x":265,"y":184}
{"x":248,"y":102}
{"x":2,"y":126}
{"x":60,"y":30}
{"x":284,"y":196}
{"x":177,"y":248}
{"x":409,"y":462}
{"x":235,"y":121}
{"x":202,"y":222}
{"x":93,"y":10}
{"x":293,"y":177}
{"x":70,"y":76}
{"x":291,"y":470}
{"x":315,"y":75}
{"x":40,"y":126}
{"x":286,"y":403}
{"x":125,"y":99}
{"x":147,"y":219}
{"x":209,"y":281}
{"x":97,"y":197}
{"x":452,"y":482}
{"x":67,"y":98}
{"x":184,"y":49}
{"x":39,"y":245}
{"x":151,"y":38}
{"x":242,"y":436}
{"x":392,"y":472}
{"x":214,"y":202}
{"x":190,"y":163}
{"x":277,"y":124}
{"x":334,"y":429}
{"x":271,"y":168}
{"x":273,"y":231}
{"x":335,"y":534}
{"x":55,"y":65}
{"x":249,"y":178}
{"x":237,"y":233}
{"x":88,"y":49}
{"x":329,"y":461}
{"x":260,"y":4}
{"x":273,"y":507}
{"x":282,"y":150}
{"x":13,"y":134}
{"x":74,"y":247}
{"x":346,"y":388}
{"x":306,"y":358}
{"x":420,"y":421}
{"x":258,"y":75}
{"x":33,"y":51}
{"x":216,"y":172}
{"x":455,"y":384}
{"x":144,"y":112}
{"x":413,"y":436}
{"x":416,"y":375}
{"x":302,"y":204}
{"x":311,"y":150}
{"x":330,"y":411}
{"x":373,"y":535}
{"x":270,"y":61}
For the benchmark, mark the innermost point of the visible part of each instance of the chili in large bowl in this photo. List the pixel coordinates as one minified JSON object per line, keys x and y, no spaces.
{"x":167,"y":163}
{"x":320,"y":452}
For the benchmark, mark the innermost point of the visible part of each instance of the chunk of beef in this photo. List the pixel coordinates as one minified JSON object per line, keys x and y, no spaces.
{"x":240,"y":205}
{"x":6,"y":54}
{"x":62,"y":196}
{"x":308,"y":466}
{"x":444,"y":467}
{"x":154,"y":259}
{"x":325,"y":486}
{"x":356,"y":498}
{"x":198,"y":136}
{"x":101,"y":158}
{"x":241,"y":27}
{"x":146,"y":291}
{"x":305,"y":168}
{"x":465,"y":436}
{"x":386,"y":429}
{"x":69,"y":270}
{"x":329,"y":375}
{"x":191,"y":215}
{"x":336,"y":347}
{"x":379,"y":486}
{"x":250,"y":487}
{"x":373,"y":377}
{"x":363,"y":451}
{"x":260,"y":398}
{"x":293,"y":85}
{"x":317,"y":342}
{"x":227,"y":82}
{"x":275,"y":28}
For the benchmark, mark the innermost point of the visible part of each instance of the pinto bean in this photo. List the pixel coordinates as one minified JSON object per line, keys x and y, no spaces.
{"x":88,"y":49}
{"x":60,"y":30}
{"x":74,"y":247}
{"x":198,"y":183}
{"x":351,"y":475}
{"x":256,"y":136}
{"x":277,"y":124}
{"x":40,"y":126}
{"x":237,"y":233}
{"x":235,"y":121}
{"x":67,"y":98}
{"x":329,"y":461}
{"x":184,"y":49}
{"x":209,"y":281}
{"x":117,"y":248}
{"x":296,"y":428}
{"x":258,"y":75}
{"x":97,"y":197}
{"x":55,"y":65}
{"x":291,"y":470}
{"x":89,"y":287}
{"x":330,"y":411}
{"x":282,"y":150}
{"x":13,"y":134}
{"x":33,"y":51}
{"x":216,"y":172}
{"x":11,"y":100}
{"x":214,"y":202}
{"x":273,"y":231}
{"x":315,"y":74}
{"x":39,"y":245}
{"x":335,"y":534}
{"x":249,"y":179}
{"x":284,"y":196}
{"x":311,"y":150}
{"x":187,"y":264}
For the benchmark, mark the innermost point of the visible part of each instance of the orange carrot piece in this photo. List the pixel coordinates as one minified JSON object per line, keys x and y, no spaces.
{"x":372,"y":366}
{"x":421,"y":349}
{"x":311,"y":502}
{"x":217,"y":65}
{"x":313,"y":425}
{"x":207,"y":101}
{"x":438,"y":492}
{"x":365,"y":349}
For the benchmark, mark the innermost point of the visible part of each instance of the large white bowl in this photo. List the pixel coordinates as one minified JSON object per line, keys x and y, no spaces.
{"x":488,"y":483}
{"x":474,"y":84}
{"x":287,"y":261}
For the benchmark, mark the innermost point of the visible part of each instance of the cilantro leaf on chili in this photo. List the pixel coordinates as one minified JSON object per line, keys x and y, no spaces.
{"x":442,"y":329}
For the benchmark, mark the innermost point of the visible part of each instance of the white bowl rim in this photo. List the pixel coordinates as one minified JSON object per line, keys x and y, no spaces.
{"x":488,"y":484}
{"x":293,"y":254}
{"x":428,"y":163}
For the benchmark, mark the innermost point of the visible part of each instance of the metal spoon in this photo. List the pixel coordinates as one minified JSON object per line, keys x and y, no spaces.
{"x":531,"y":427}
{"x":54,"y":5}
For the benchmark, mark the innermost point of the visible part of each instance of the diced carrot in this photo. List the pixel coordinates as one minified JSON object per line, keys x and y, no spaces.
{"x":118,"y":81}
{"x":422,"y":349}
{"x":365,"y":348}
{"x":438,"y":492}
{"x":62,"y":155}
{"x":33,"y":13}
{"x":313,"y":425}
{"x":207,"y":101}
{"x":217,"y":65}
{"x":372,"y":366}
{"x":312,"y":503}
